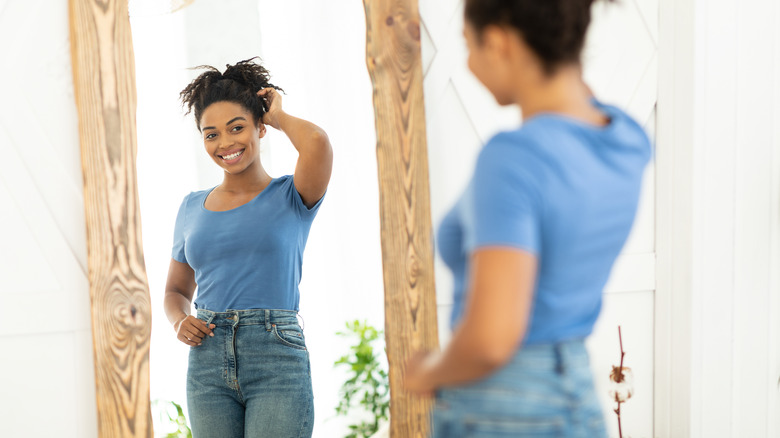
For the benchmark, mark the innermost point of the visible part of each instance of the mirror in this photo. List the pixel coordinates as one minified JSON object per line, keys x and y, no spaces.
{"x":316,"y":52}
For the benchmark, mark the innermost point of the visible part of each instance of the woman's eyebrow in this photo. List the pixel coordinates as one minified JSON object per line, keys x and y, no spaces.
{"x":234,"y":119}
{"x":231,"y":121}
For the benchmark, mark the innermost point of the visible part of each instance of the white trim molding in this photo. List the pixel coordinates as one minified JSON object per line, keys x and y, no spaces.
{"x":717,"y":356}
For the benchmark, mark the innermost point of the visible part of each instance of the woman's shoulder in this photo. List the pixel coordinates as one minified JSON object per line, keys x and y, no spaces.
{"x":282,"y":183}
{"x":191,"y":199}
{"x":284,"y":179}
{"x":507,"y":147}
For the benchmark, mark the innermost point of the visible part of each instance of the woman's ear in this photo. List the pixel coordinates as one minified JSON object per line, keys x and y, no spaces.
{"x":261,"y":128}
{"x":496,"y":41}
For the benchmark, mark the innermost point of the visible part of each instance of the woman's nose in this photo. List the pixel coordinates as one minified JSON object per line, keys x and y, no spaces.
{"x":226,"y":142}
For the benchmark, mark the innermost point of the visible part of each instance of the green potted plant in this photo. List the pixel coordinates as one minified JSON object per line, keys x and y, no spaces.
{"x":171,"y":419}
{"x":366,"y":391}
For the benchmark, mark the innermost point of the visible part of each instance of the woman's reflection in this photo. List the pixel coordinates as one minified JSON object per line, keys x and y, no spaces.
{"x":241,"y":244}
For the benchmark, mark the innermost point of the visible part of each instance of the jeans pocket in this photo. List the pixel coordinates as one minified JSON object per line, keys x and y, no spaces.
{"x":290,"y":335}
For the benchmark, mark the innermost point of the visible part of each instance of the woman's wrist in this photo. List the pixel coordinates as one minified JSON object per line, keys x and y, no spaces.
{"x":432,"y":368}
{"x":280,"y":118}
{"x":178,"y":320}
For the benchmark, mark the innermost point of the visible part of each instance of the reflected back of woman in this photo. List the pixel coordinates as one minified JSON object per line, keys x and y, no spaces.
{"x":533,"y":238}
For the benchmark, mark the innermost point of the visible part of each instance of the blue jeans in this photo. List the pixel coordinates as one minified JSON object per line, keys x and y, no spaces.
{"x":252,"y":379}
{"x":545,"y":391}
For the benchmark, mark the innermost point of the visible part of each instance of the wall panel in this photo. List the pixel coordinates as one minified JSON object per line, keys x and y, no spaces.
{"x":46,"y":368}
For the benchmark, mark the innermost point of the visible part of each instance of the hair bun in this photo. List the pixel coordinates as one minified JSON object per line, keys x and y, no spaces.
{"x":250,"y":74}
{"x":239,"y":83}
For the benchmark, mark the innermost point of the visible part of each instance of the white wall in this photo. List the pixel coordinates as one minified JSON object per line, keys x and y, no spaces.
{"x":47,"y":385}
{"x":718,"y":301}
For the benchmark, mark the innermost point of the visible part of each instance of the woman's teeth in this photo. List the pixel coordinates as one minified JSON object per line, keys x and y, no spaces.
{"x":232,"y":156}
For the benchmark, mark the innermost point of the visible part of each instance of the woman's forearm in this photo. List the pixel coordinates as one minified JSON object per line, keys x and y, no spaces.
{"x":493,"y":325}
{"x":177,"y":306}
{"x":466,"y":358}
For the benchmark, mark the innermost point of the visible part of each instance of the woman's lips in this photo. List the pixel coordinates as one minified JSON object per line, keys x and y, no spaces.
{"x":232,"y":158}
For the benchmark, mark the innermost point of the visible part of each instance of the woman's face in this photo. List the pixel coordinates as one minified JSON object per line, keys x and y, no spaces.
{"x":231,"y":136}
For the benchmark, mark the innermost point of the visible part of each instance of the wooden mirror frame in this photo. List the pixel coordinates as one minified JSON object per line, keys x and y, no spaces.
{"x":104,"y":86}
{"x":394,"y":61}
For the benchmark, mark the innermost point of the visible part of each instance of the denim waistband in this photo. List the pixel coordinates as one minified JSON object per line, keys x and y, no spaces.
{"x":265,"y":317}
{"x":553,"y":355}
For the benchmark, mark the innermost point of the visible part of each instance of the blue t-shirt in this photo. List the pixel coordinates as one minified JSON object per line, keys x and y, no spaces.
{"x":563,"y":190}
{"x":249,"y":257}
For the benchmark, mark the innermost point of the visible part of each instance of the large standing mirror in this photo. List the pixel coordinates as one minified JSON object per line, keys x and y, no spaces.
{"x":316,"y":52}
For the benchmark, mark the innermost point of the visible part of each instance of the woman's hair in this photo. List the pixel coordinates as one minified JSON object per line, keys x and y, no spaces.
{"x":553,"y":29}
{"x":239,"y":84}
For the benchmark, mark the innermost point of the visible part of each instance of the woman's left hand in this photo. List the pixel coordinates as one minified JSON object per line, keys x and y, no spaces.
{"x":273,"y":104}
{"x":418,"y":377}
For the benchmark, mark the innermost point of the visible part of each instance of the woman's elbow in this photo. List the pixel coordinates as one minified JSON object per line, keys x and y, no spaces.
{"x":319,"y":139}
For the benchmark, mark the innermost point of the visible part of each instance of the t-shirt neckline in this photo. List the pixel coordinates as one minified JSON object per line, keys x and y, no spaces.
{"x":203,"y":203}
{"x":612,"y":115}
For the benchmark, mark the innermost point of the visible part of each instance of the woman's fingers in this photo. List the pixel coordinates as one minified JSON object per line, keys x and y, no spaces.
{"x":205,"y":329}
{"x":187,"y":340}
{"x":192,"y":330}
{"x":193,"y":335}
{"x":271,"y":97}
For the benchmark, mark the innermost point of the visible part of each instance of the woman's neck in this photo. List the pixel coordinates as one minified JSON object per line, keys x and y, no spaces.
{"x":563,"y":93}
{"x":252,"y":179}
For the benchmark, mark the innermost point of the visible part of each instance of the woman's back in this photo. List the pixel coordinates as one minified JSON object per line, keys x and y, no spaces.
{"x":561,"y":189}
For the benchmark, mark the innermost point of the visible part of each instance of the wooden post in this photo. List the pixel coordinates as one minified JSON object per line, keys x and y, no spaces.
{"x":394,"y":63}
{"x":104,"y":80}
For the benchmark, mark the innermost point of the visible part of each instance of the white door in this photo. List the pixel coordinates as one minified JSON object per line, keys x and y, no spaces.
{"x":620,"y":61}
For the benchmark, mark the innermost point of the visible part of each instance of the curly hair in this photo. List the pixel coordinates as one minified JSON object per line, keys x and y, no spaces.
{"x":239,"y":84}
{"x":553,"y":29}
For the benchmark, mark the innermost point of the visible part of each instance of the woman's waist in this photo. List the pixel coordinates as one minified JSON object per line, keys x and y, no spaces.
{"x":222,"y":299}
{"x":240,"y":317}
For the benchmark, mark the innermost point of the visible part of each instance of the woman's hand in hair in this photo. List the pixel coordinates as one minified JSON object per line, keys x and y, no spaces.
{"x":273,"y":105}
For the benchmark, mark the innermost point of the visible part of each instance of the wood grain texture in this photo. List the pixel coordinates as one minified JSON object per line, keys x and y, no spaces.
{"x":394,"y":63}
{"x":104,"y":79}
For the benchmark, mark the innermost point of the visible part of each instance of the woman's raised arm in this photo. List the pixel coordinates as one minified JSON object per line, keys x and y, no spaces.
{"x":315,"y":155}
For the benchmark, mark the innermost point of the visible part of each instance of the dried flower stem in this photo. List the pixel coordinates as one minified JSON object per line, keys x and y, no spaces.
{"x":619,"y":379}
{"x":622,"y":354}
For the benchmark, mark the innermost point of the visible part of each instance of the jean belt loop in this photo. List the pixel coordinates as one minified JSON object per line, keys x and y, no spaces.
{"x":210,"y":316}
{"x":268,"y":320}
{"x":559,"y":366}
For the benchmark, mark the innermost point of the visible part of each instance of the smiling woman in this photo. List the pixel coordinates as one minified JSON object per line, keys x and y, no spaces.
{"x":241,"y":244}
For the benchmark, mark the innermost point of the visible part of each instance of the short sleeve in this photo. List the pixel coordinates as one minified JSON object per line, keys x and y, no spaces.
{"x":295,"y":198}
{"x":178,"y":233}
{"x":503,"y":203}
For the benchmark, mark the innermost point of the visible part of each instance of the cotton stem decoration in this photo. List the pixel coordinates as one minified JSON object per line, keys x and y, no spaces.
{"x":622,"y":383}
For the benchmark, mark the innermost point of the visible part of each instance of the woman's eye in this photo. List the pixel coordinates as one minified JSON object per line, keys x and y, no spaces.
{"x":210,"y":136}
{"x":237,"y":128}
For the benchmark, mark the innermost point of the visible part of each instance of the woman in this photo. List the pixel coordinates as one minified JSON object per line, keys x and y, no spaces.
{"x":241,"y":244}
{"x":533,"y":238}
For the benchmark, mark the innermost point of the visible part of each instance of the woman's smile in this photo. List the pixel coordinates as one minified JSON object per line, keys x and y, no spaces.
{"x":232,"y":157}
